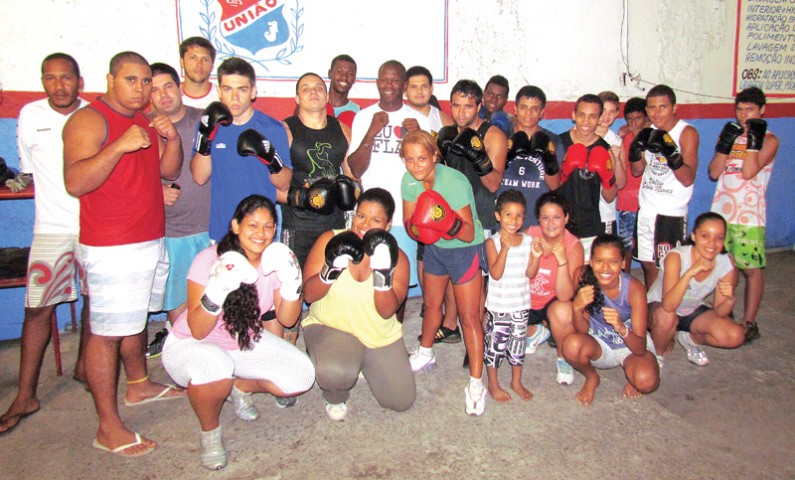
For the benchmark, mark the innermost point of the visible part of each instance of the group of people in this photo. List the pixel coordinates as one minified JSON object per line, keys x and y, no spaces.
{"x":164,"y":195}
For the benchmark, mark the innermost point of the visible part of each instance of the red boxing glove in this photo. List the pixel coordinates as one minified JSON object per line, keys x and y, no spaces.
{"x":599,"y":162}
{"x":433,"y":218}
{"x":576,"y":157}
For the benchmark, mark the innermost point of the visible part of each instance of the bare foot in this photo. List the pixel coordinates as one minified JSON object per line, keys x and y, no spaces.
{"x":113,"y":440}
{"x":630,"y":392}
{"x":148,"y":390}
{"x":585,"y":396}
{"x":498,"y":394}
{"x":17,"y":412}
{"x":523,"y":393}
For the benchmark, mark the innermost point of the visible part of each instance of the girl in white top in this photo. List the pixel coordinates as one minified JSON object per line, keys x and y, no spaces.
{"x":690,"y":273}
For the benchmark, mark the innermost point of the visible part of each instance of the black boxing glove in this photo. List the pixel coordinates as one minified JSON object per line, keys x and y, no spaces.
{"x":340,"y":250}
{"x":639,"y":145}
{"x":757,"y":128}
{"x":347,"y":192}
{"x":444,"y":138}
{"x":319,"y":197}
{"x":660,"y":142}
{"x":469,"y":145}
{"x":254,"y":144}
{"x":215,"y":115}
{"x":518,"y":144}
{"x":382,"y":248}
{"x":727,"y":136}
{"x":541,"y":146}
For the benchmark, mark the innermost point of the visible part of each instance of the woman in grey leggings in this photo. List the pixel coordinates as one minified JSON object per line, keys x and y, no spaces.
{"x":355,"y":281}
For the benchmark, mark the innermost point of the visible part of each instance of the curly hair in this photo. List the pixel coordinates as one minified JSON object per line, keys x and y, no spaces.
{"x":589,"y":278}
{"x":241,"y":308}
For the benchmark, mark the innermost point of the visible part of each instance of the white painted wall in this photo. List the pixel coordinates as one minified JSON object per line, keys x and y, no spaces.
{"x":566,"y":47}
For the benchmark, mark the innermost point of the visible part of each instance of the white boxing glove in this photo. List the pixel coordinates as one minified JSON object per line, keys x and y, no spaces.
{"x":231,"y":269}
{"x":280,"y":259}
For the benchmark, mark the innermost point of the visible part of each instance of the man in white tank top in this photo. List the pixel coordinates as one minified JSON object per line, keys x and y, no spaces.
{"x":667,"y":157}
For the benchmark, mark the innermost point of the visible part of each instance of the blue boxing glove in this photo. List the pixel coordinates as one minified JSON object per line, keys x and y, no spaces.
{"x":503,"y":121}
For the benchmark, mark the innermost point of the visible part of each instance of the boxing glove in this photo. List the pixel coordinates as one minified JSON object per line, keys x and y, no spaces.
{"x":639,"y":145}
{"x":542,"y":147}
{"x":340,"y":250}
{"x":727,"y":136}
{"x":434,"y":213}
{"x":503,"y":121}
{"x":757,"y":128}
{"x":280,"y":259}
{"x":469,"y":145}
{"x":600,"y":163}
{"x":444,"y":138}
{"x":254,"y":144}
{"x":518,"y":145}
{"x":576,"y":158}
{"x":215,"y":115}
{"x":382,"y":249}
{"x":347,"y":192}
{"x":661,"y":143}
{"x":231,"y":269}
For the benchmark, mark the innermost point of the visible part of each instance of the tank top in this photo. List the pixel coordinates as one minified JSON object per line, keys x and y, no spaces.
{"x":602,"y":330}
{"x":484,"y":199}
{"x":128,"y":207}
{"x":315,"y":154}
{"x":511,"y":293}
{"x":660,"y":191}
{"x":583,"y":190}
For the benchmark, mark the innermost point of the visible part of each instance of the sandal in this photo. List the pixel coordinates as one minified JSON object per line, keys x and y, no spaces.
{"x":751,"y":332}
{"x":445,"y":335}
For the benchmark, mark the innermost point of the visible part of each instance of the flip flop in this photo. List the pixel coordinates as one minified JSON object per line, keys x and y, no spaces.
{"x":120,"y":449}
{"x":157,"y":398}
{"x":19,"y":417}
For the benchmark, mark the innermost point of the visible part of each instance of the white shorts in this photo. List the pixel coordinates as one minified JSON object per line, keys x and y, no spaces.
{"x":199,"y":362}
{"x":612,"y":358}
{"x":126,"y":283}
{"x":657,"y":234}
{"x":55,"y":260}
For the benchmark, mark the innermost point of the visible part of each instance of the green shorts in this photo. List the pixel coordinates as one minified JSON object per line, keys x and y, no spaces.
{"x":746,"y":245}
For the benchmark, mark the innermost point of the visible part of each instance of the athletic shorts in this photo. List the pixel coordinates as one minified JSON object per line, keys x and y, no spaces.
{"x":461,"y":263}
{"x":181,"y":252}
{"x":686,"y":320}
{"x":611,"y":358}
{"x":626,"y":228}
{"x":537,"y":316}
{"x":409,"y":247}
{"x":656,"y":235}
{"x":746,"y":246}
{"x":126,"y":283}
{"x":54,"y":260}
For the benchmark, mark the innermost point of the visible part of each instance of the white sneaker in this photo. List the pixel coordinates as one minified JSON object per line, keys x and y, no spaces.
{"x":213,"y":452}
{"x":695,"y":354}
{"x":337,"y":411}
{"x":244,"y":405}
{"x":420,"y":361}
{"x":532,"y":342}
{"x":565,"y":372}
{"x":475,"y":397}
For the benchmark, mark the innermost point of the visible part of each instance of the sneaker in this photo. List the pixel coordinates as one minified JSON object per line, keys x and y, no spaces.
{"x":532,"y":342}
{"x":660,"y":361}
{"x":337,"y":411}
{"x":565,"y":372}
{"x":751,"y":332}
{"x":286,"y":402}
{"x":695,"y":354}
{"x":244,"y":405}
{"x":420,"y":361}
{"x":475,"y":398}
{"x":154,"y":349}
{"x":445,"y":335}
{"x":213,"y":452}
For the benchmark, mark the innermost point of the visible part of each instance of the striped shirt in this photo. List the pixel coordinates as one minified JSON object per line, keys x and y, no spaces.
{"x":511,"y":293}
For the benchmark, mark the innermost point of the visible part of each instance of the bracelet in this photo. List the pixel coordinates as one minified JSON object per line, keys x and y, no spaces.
{"x":140,"y":380}
{"x":563,"y":264}
{"x":627,"y":333}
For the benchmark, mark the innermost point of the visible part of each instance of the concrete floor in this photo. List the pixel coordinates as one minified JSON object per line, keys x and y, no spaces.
{"x":730,"y":420}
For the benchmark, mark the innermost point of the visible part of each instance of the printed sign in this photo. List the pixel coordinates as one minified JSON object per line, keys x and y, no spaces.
{"x":765,"y":47}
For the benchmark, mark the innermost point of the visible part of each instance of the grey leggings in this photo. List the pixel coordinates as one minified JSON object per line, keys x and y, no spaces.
{"x":339,"y":357}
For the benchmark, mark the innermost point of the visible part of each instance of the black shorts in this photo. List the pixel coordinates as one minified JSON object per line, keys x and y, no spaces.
{"x":536,"y":316}
{"x":687,"y":320}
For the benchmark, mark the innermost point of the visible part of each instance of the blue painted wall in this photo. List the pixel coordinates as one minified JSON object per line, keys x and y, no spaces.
{"x":16,"y":217}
